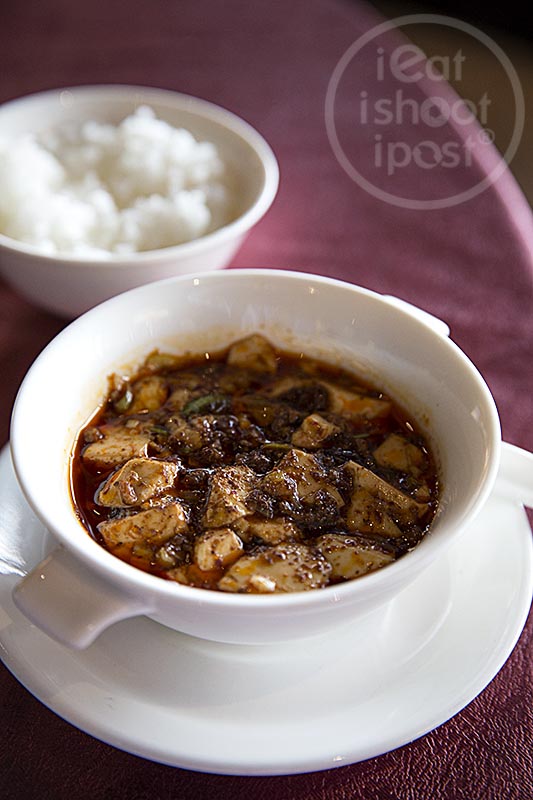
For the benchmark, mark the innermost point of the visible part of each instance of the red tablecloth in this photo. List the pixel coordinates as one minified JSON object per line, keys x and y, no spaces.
{"x":470,"y":264}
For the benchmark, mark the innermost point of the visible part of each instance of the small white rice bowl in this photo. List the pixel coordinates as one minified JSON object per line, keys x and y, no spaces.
{"x":95,"y":189}
{"x":98,"y":195}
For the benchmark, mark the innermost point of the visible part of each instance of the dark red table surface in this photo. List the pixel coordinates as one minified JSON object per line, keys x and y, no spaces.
{"x":469,"y":264}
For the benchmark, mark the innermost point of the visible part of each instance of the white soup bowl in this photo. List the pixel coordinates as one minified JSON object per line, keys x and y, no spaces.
{"x":81,"y":588}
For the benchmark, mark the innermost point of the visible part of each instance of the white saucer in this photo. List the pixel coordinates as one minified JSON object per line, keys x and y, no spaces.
{"x":320,"y":703}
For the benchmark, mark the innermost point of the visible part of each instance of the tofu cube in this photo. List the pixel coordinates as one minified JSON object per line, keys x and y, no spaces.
{"x":398,"y":453}
{"x":118,"y":444}
{"x":356,"y":405}
{"x":230,"y":486}
{"x":139,"y":480}
{"x":156,"y":526}
{"x":254,"y":353}
{"x":299,"y":472}
{"x":288,"y":567}
{"x":349,"y":558}
{"x":149,"y":394}
{"x":217,"y":548}
{"x":376,"y":506}
{"x":270,"y":531}
{"x":313,"y":432}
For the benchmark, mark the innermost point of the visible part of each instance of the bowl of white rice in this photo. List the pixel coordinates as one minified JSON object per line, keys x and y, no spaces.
{"x":104,"y":188}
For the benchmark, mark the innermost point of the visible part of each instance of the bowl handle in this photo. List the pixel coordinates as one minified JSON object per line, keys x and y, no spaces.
{"x":71,"y":603}
{"x":515,"y":478}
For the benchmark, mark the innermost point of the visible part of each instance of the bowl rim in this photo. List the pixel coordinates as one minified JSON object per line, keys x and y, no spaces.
{"x":203,"y":108}
{"x":146,"y":584}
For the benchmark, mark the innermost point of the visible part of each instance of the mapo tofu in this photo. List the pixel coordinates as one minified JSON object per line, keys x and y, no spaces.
{"x":252,"y":470}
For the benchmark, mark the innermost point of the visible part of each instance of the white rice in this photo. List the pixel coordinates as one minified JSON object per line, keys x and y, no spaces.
{"x":97,"y":189}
